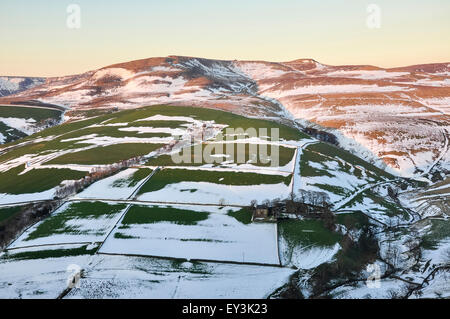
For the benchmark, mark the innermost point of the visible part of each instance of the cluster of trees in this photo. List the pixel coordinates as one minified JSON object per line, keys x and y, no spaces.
{"x":347,"y":265}
{"x":312,"y":198}
{"x":96,"y":175}
{"x":27,"y":216}
{"x":321,"y":135}
{"x":46,"y":123}
{"x":393,"y":193}
{"x":306,"y":203}
{"x":33,"y":213}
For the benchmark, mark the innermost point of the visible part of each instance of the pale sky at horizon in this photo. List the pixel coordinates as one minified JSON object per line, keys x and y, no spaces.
{"x":35,"y":40}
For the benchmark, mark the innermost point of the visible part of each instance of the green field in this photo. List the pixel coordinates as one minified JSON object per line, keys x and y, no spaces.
{"x":44,"y":179}
{"x":106,"y":154}
{"x":57,"y":144}
{"x":59,"y":130}
{"x":355,"y":220}
{"x":111,"y":131}
{"x":36,"y":180}
{"x":171,"y":176}
{"x":60,"y":223}
{"x":380,"y":204}
{"x":158,"y":123}
{"x":10,"y":134}
{"x":132,"y":181}
{"x":204,"y":114}
{"x":322,"y":152}
{"x":129,"y":116}
{"x":439,"y":231}
{"x":38,"y":114}
{"x":49,"y":253}
{"x":155,"y":214}
{"x":243,"y":215}
{"x":307,"y":232}
{"x":248,"y":153}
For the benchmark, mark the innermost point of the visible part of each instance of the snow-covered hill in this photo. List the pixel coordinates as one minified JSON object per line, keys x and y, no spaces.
{"x":398,"y":117}
{"x":12,"y":85}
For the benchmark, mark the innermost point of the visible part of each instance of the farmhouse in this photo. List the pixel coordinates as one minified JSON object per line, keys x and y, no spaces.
{"x":263,"y":213}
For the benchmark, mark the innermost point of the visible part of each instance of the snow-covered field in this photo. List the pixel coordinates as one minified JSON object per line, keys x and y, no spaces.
{"x":26,"y":126}
{"x":135,"y":277}
{"x":217,"y":194}
{"x":38,"y":278}
{"x":72,"y":223}
{"x":119,"y":186}
{"x":140,"y":277}
{"x":312,"y":257}
{"x":304,"y":89}
{"x":11,"y":85}
{"x":320,"y":169}
{"x":218,"y":233}
{"x":219,"y":237}
{"x":19,"y":198}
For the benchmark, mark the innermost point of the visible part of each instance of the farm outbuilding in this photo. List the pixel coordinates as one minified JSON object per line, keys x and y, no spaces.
{"x":263,"y":213}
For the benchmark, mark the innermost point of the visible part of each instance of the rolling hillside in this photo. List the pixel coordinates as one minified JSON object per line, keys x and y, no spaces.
{"x":396,"y":117}
{"x":13,"y":84}
{"x":124,"y":186}
{"x":143,"y":224}
{"x":19,"y":121}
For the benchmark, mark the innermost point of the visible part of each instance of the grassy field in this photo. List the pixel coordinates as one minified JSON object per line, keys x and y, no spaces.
{"x":440,"y":230}
{"x":49,"y":253}
{"x":37,"y":114}
{"x":107,"y":154}
{"x":196,"y":157}
{"x":9,"y":133}
{"x":132,"y":181}
{"x":60,"y":130}
{"x":322,"y":152}
{"x":380,"y":204}
{"x":306,"y":233}
{"x":57,"y":144}
{"x":155,"y":214}
{"x":204,"y":114}
{"x":171,"y":176}
{"x":353,"y":220}
{"x":234,"y":121}
{"x":39,"y":148}
{"x":60,"y":223}
{"x":110,"y":131}
{"x":81,"y":128}
{"x":44,"y":179}
{"x":158,"y":123}
{"x":243,"y":215}
{"x":89,"y":113}
{"x":36,"y":180}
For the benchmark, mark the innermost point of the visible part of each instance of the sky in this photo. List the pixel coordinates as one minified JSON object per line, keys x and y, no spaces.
{"x":36,"y":39}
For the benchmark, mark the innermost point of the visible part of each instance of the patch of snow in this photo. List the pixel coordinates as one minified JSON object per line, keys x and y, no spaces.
{"x":210,"y":193}
{"x":331,"y":89}
{"x":367,"y":75}
{"x":137,"y":277}
{"x":26,"y":126}
{"x":111,"y":187}
{"x":220,"y":237}
{"x":82,"y":230}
